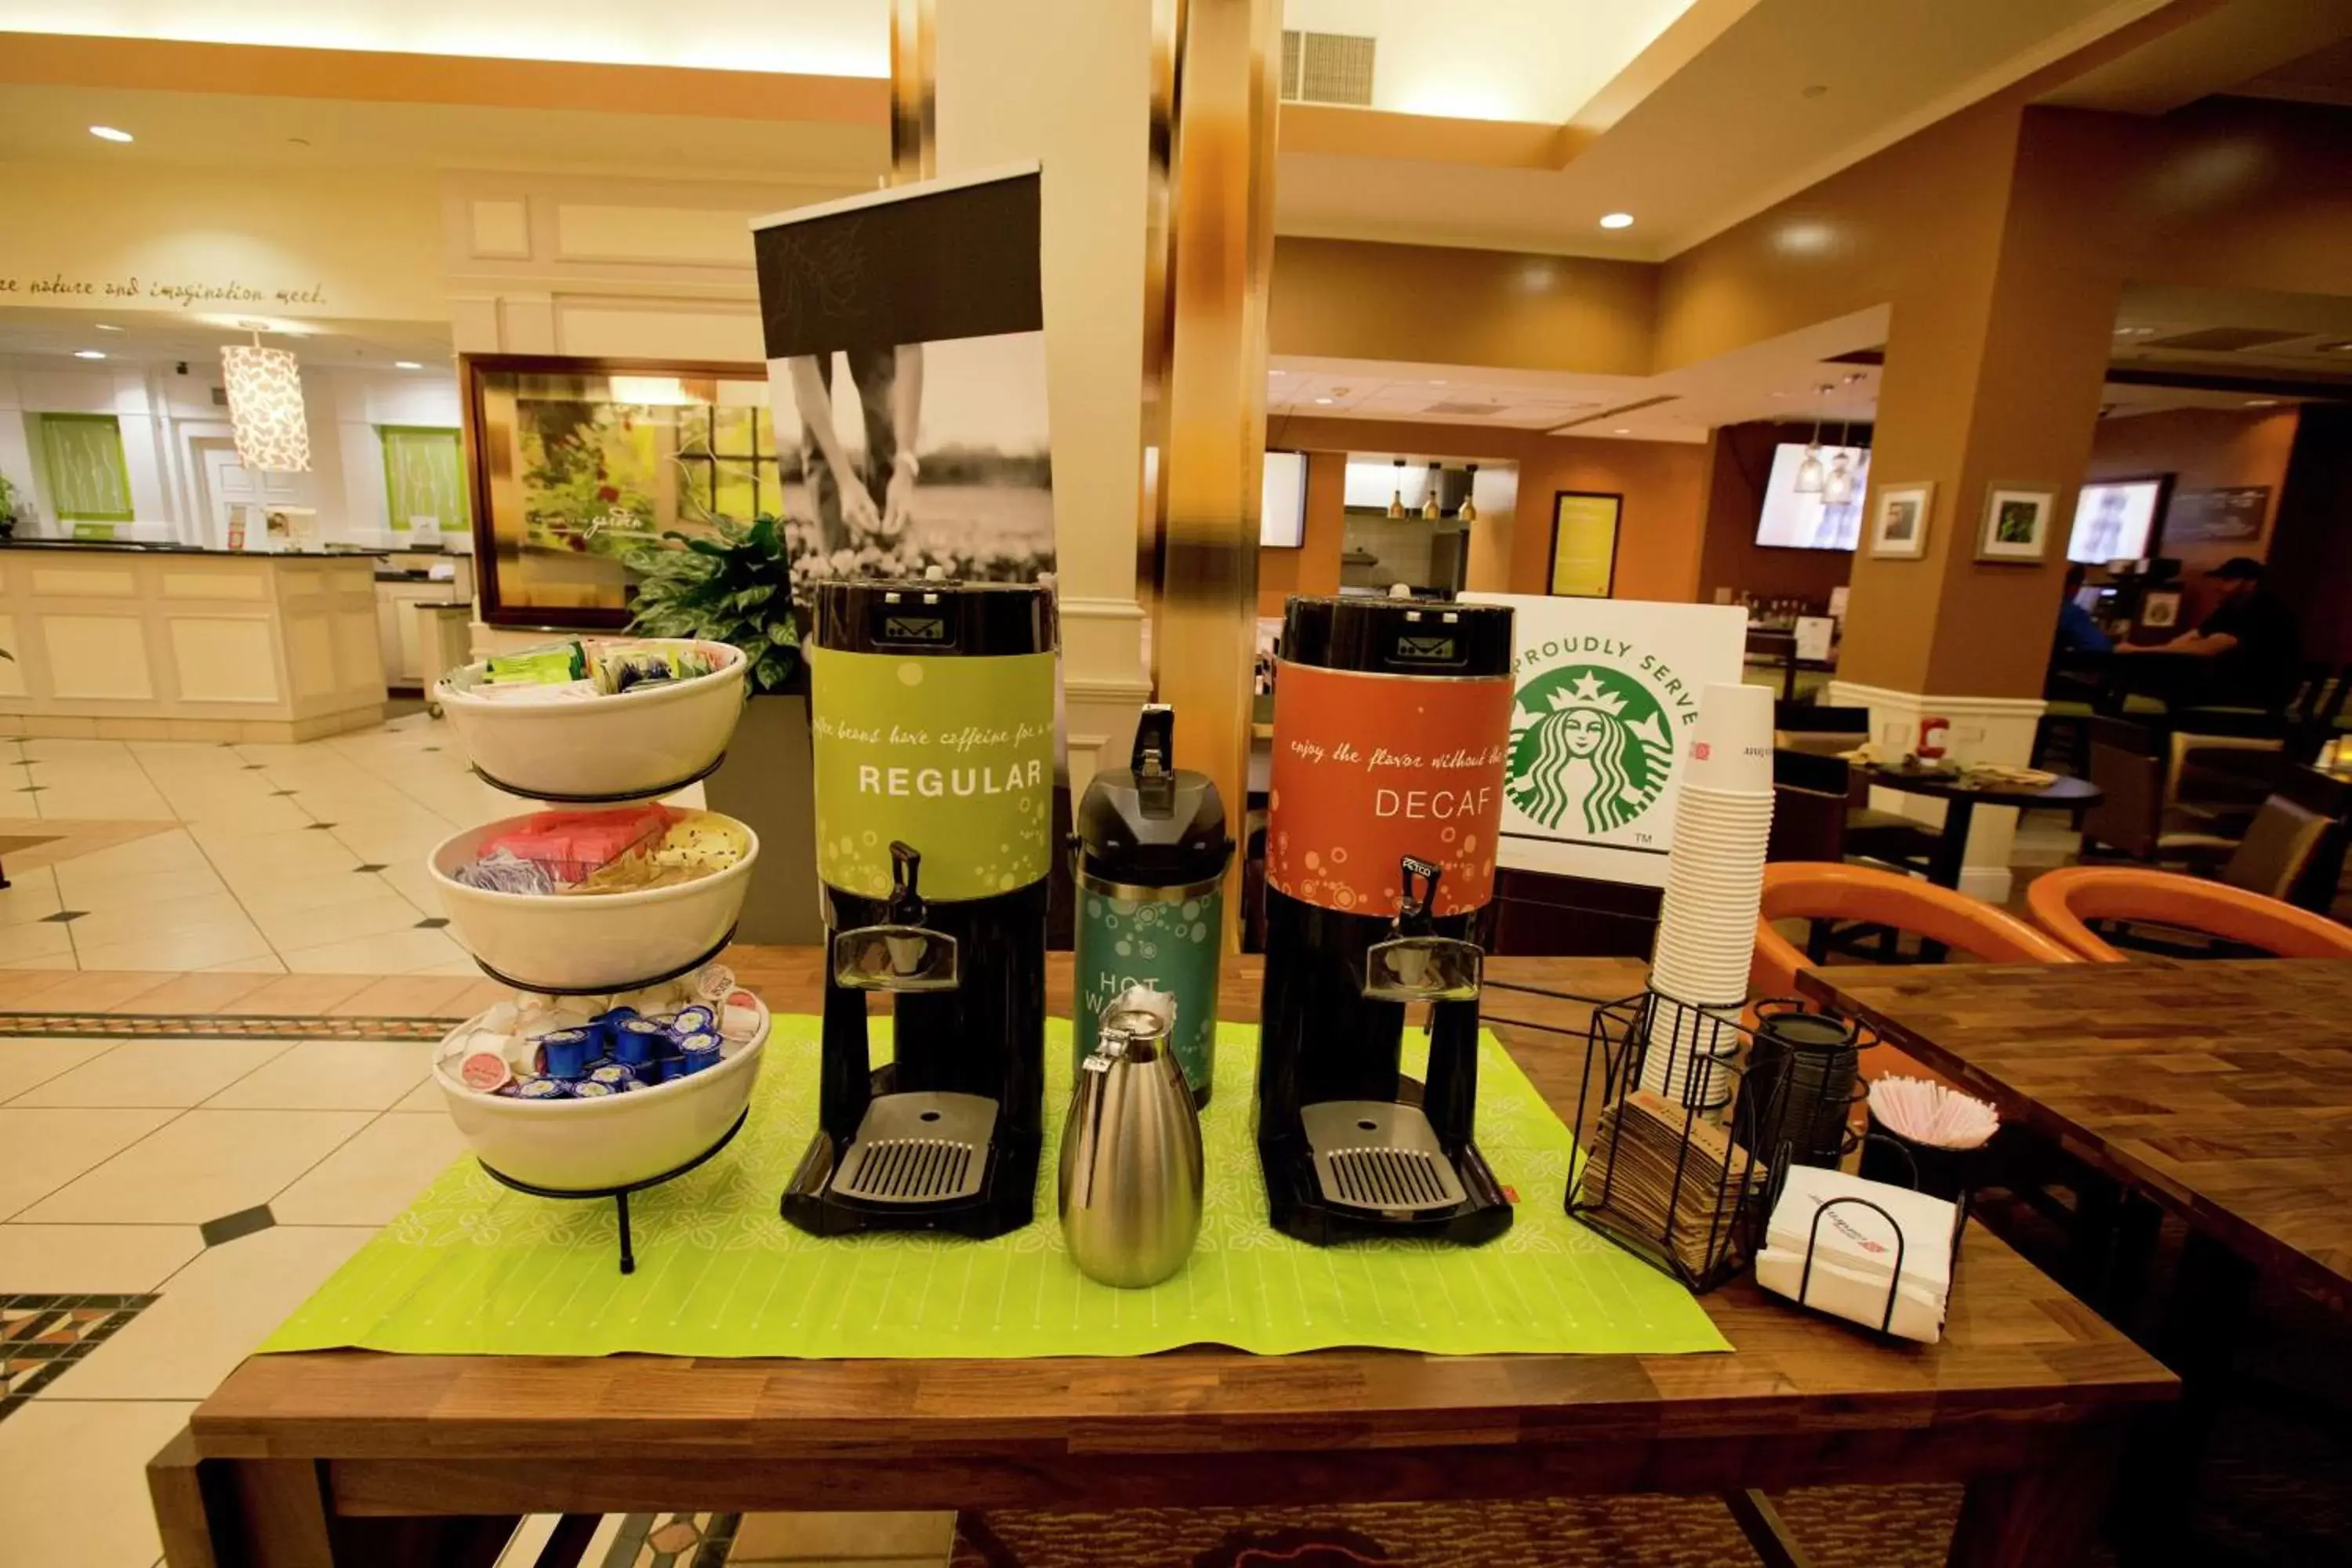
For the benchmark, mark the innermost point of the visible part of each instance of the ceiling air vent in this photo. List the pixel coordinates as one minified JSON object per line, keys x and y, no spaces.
{"x":1326,"y":67}
{"x":1472,"y":409}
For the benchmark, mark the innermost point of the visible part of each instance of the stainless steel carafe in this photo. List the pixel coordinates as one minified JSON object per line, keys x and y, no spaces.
{"x":1131,"y":1173}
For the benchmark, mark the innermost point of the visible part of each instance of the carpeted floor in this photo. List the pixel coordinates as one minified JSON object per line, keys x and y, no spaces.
{"x":1839,"y":1526}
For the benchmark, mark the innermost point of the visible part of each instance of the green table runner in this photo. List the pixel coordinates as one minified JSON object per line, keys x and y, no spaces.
{"x":473,"y":1268}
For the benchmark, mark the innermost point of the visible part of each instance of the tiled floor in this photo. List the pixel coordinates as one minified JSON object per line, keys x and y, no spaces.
{"x":220,"y":969}
{"x":304,"y":859}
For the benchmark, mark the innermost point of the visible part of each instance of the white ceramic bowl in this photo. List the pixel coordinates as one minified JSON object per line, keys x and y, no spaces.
{"x":590,"y":941}
{"x":572,"y":1145}
{"x":630,"y":746}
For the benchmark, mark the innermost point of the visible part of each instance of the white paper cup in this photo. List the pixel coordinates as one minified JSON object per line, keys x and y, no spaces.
{"x":1730,"y":747}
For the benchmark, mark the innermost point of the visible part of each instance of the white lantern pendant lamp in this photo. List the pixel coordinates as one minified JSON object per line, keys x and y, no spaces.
{"x":265,"y":408}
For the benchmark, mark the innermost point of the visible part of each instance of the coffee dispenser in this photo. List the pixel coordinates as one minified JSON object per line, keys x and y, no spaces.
{"x":1391,"y":722}
{"x":931,"y":710}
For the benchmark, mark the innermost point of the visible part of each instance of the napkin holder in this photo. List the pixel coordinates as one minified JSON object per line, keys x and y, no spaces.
{"x":1912,"y":1309}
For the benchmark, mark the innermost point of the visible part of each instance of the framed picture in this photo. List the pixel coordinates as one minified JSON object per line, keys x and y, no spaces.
{"x":2016,"y":523}
{"x":1584,"y":543}
{"x":1898,"y":529}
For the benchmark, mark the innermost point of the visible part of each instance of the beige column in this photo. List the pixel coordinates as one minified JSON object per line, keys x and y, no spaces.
{"x":1066,"y":83}
{"x":1994,"y":368}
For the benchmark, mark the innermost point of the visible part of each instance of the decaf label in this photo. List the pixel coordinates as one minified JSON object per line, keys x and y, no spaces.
{"x":953,"y":757}
{"x":1369,"y":769}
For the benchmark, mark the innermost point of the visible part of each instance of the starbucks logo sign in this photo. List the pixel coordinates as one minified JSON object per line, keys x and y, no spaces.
{"x":1591,"y":743}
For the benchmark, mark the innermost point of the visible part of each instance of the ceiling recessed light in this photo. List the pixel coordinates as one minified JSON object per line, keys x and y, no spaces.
{"x":411,"y":364}
{"x":1621,"y":430}
{"x":108,"y":133}
{"x":1437,"y":383}
{"x":2262,"y":402}
{"x":89,"y":354}
{"x":1277,"y":373}
{"x":1617,"y":220}
{"x":1322,"y":400}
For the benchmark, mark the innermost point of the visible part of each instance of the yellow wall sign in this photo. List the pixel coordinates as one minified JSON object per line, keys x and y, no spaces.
{"x":1584,"y":543}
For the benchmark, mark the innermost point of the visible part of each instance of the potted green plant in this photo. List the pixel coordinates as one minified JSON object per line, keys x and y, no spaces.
{"x":734,"y":585}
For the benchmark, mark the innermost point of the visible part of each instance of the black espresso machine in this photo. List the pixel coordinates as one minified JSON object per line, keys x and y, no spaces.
{"x":931,"y":710}
{"x":1391,"y":726}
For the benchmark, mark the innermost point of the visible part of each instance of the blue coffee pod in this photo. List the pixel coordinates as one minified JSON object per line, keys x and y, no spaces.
{"x":694,"y":1019}
{"x":566,"y":1053}
{"x":699,"y":1051}
{"x":638,"y":1041}
{"x":612,"y":1074}
{"x":542,"y":1089}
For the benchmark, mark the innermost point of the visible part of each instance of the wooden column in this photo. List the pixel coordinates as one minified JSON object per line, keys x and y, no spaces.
{"x":1220,"y":250}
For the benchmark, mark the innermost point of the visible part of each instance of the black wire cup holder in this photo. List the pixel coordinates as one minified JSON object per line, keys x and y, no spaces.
{"x":1683,"y":1175}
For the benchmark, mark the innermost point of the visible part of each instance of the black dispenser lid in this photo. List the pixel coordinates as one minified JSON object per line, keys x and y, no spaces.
{"x":1398,"y":636}
{"x":1152,"y":823}
{"x":857,"y":614}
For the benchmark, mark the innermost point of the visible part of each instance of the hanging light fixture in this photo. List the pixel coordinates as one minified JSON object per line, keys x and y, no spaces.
{"x":1396,"y":497}
{"x":1469,"y":512}
{"x":1809,"y":471}
{"x":1430,"y":510}
{"x":1837,"y":485}
{"x":264,"y":407}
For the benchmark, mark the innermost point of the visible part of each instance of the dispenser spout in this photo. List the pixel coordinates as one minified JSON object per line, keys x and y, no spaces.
{"x":1416,"y":964}
{"x":902,"y":953}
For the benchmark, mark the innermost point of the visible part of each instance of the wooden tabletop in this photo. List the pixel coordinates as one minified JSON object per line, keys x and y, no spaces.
{"x":2222,"y":1090}
{"x":2021,"y":1364}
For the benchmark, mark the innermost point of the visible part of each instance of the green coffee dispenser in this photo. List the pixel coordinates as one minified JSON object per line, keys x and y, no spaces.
{"x":931,"y":713}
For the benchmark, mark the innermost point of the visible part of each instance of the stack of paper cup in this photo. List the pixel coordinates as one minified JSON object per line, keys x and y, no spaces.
{"x":1714,"y":883}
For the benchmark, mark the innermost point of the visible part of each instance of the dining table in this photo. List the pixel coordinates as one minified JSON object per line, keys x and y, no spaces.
{"x":361,"y":1457}
{"x":1961,"y":796}
{"x":2219,"y":1093}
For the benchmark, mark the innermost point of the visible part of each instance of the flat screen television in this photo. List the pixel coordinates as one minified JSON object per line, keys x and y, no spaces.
{"x":1282,"y":503}
{"x":2116,"y":520}
{"x":1795,"y":520}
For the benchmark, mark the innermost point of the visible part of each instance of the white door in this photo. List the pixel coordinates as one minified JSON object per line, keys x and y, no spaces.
{"x":229,"y":484}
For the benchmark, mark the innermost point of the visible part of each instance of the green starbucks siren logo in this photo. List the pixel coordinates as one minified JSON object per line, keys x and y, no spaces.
{"x":1590,"y":749}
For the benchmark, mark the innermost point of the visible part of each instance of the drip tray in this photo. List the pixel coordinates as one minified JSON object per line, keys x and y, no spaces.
{"x":918,"y":1148}
{"x":1373,"y":1154}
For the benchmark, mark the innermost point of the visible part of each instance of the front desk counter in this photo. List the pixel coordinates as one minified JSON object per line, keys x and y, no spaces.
{"x":117,"y":642}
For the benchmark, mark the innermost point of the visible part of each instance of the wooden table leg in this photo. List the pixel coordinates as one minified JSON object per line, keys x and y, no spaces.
{"x":2204,"y":1318}
{"x":277,"y":1513}
{"x":2047,"y":1515}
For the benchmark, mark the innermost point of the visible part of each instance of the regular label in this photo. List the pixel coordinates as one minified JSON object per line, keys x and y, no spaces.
{"x":953,"y":757}
{"x":1369,"y":769}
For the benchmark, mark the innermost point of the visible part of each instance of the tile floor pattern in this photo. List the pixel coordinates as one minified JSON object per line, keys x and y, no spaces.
{"x":304,"y":859}
{"x":164,"y":1203}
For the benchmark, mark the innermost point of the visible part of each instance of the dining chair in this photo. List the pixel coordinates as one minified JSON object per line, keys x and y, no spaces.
{"x":2075,"y":902}
{"x":1799,"y":890}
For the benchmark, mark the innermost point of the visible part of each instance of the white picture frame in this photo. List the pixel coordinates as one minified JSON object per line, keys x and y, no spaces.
{"x":1899,"y":521}
{"x":2016,"y":523}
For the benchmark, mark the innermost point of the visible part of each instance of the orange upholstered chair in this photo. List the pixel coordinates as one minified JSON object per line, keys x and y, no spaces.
{"x":2063,"y":902}
{"x":1805,"y":890}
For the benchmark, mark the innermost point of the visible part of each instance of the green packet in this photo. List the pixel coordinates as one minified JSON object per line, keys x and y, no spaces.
{"x":550,"y":666}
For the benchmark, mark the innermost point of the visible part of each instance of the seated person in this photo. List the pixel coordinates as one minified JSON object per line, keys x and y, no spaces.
{"x":2250,"y":637}
{"x":2077,"y":632}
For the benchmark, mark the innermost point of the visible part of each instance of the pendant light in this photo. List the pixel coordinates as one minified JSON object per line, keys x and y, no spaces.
{"x":1430,"y":510}
{"x":264,"y":407}
{"x":1396,"y":497}
{"x":1469,"y":512}
{"x":1837,"y":485}
{"x":1809,"y":471}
